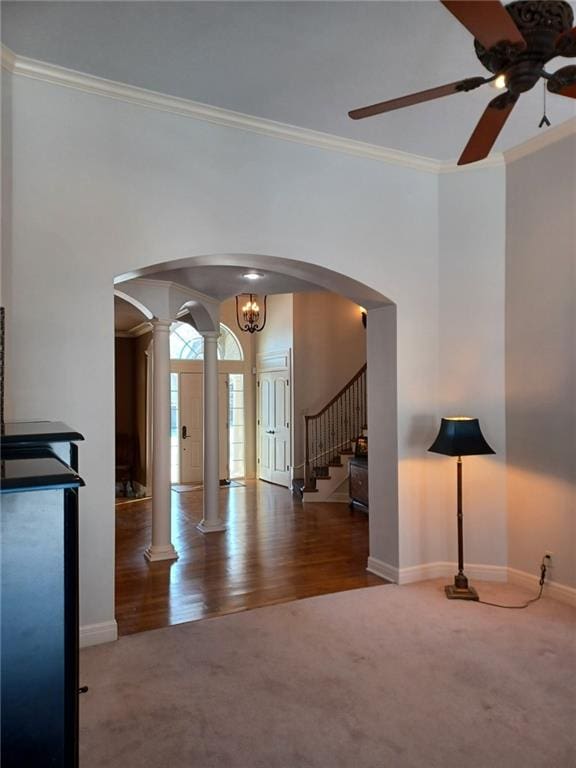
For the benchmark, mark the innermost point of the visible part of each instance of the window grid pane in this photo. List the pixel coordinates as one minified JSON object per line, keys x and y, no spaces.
{"x":187,"y":344}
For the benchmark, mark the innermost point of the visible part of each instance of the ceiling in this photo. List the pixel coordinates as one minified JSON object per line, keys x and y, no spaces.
{"x":222,"y":282}
{"x":302,"y":63}
{"x":126,"y":316}
{"x":219,"y":282}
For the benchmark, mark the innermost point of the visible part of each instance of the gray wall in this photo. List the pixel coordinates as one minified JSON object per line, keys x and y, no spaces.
{"x":541,"y":359}
{"x":471,"y":351}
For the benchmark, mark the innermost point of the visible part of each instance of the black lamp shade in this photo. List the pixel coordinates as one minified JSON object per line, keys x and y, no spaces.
{"x":460,"y":436}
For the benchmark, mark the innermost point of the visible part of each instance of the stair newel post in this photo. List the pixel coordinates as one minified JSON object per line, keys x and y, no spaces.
{"x":315,"y":455}
{"x":347,"y":414}
{"x":364,"y":415}
{"x":323,"y":437}
{"x":306,"y":453}
{"x":356,"y":401}
{"x":333,"y":443}
{"x":341,"y":419}
{"x":328,"y":430}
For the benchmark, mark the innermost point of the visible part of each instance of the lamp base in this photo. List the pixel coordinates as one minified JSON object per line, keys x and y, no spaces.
{"x":458,"y":593}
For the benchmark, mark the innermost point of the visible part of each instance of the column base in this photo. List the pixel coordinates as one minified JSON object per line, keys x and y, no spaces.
{"x":154,"y":553}
{"x":205,"y":527}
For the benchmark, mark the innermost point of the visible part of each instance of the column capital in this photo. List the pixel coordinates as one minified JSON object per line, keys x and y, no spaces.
{"x":160,"y":325}
{"x":210,"y":335}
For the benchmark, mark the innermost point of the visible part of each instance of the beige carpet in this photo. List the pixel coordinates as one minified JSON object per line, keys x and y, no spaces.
{"x":385,"y":677}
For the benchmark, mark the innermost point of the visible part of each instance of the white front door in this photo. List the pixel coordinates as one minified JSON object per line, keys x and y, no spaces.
{"x":191,"y":426}
{"x":274,"y":427}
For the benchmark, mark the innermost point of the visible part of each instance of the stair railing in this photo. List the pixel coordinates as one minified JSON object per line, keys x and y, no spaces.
{"x":331,"y":431}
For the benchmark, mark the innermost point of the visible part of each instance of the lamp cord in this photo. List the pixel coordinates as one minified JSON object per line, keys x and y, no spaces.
{"x":529,"y":602}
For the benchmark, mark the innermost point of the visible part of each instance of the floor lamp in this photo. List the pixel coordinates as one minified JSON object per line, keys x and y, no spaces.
{"x":460,"y":436}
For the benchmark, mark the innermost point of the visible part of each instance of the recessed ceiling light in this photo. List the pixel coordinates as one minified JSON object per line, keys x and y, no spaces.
{"x":252,"y":275}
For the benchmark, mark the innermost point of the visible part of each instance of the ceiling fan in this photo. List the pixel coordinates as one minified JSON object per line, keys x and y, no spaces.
{"x":514,"y":43}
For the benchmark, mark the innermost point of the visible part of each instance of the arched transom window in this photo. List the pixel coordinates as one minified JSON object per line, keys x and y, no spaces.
{"x":187,"y":344}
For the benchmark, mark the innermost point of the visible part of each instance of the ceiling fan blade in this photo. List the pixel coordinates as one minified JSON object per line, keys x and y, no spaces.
{"x":488,"y":128}
{"x":487,"y":20}
{"x":566,"y":43}
{"x":563,"y":82}
{"x":417,"y":98}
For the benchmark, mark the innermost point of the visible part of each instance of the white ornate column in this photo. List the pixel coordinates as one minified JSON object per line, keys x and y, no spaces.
{"x":161,"y":547}
{"x":211,"y":521}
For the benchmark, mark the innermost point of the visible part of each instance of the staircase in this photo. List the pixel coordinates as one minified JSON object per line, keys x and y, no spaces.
{"x":330,"y":437}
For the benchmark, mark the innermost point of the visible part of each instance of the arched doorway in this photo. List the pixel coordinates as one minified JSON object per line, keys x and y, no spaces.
{"x":216,"y":277}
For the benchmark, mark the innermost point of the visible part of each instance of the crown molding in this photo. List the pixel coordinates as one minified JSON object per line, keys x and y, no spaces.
{"x":495,"y":160}
{"x":541,"y":140}
{"x":138,"y":330}
{"x":7,"y":58}
{"x":68,"y":78}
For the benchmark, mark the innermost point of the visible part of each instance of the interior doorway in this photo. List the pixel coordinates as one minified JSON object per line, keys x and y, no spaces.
{"x":274,"y":387}
{"x":318,"y":332}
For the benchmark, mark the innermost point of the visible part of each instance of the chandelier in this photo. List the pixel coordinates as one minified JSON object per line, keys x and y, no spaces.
{"x":249,"y":317}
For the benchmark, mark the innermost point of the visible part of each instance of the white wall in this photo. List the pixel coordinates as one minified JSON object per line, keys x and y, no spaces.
{"x":471,"y":355}
{"x":104,"y":187}
{"x":278,"y":333}
{"x":541,"y":359}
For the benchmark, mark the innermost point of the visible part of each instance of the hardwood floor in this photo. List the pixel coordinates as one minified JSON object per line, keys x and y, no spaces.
{"x":273,"y":551}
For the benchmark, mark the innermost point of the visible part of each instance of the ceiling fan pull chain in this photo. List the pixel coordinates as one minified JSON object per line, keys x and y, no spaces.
{"x":544,"y":121}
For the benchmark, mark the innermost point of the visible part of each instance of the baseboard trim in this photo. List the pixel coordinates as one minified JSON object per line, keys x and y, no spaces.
{"x":96,"y":634}
{"x":382,"y":569}
{"x":475,"y":571}
{"x":553,"y":589}
{"x":443,"y":569}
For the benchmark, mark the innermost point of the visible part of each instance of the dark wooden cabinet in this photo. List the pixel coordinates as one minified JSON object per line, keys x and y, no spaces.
{"x":358,"y":488}
{"x":39,"y":611}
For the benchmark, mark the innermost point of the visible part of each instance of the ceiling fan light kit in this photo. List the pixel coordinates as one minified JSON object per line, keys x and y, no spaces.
{"x":514,"y":43}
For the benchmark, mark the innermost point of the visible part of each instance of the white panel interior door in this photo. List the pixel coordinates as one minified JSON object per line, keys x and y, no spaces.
{"x":281,"y":428}
{"x":191,"y":427}
{"x":274,"y":444}
{"x":265,"y":420}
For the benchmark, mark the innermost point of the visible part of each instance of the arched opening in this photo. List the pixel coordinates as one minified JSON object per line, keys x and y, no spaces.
{"x":320,"y":301}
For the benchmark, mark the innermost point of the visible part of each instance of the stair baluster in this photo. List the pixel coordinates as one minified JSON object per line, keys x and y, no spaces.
{"x":332,"y":430}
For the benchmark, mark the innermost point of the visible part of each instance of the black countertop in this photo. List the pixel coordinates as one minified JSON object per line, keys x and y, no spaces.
{"x":36,"y":473}
{"x":26,"y":432}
